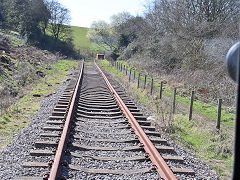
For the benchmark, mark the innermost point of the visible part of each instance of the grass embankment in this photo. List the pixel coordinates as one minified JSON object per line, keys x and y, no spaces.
{"x":81,"y":41}
{"x":19,"y":115}
{"x":199,"y":134}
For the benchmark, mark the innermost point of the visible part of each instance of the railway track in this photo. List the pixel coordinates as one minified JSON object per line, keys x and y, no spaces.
{"x":97,"y":132}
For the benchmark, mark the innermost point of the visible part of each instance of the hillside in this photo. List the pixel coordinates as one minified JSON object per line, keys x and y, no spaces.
{"x":27,"y":75}
{"x":81,"y":40}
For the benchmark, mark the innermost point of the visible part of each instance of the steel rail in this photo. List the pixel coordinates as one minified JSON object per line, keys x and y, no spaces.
{"x":162,"y":168}
{"x":55,"y":167}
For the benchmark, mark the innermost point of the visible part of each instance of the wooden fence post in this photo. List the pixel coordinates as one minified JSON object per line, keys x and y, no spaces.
{"x":152,"y":87}
{"x":174,"y":100}
{"x":161,"y":88}
{"x":130,"y":75}
{"x":1,"y":108}
{"x":219,"y":114}
{"x":138,"y":81}
{"x":191,"y":106}
{"x":145,"y":80}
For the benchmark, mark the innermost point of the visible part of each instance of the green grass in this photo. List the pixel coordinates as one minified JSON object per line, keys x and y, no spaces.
{"x":81,"y":41}
{"x":19,"y":115}
{"x":207,"y":144}
{"x":214,"y":148}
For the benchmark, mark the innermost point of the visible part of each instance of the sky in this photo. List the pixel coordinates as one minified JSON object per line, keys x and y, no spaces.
{"x":84,"y":12}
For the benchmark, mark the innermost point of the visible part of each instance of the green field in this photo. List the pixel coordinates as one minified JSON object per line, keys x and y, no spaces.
{"x":81,"y":40}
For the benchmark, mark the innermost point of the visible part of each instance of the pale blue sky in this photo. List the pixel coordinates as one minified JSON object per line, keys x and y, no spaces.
{"x":84,"y":12}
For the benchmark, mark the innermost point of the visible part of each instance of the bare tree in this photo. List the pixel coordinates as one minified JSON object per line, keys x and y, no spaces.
{"x":60,"y":19}
{"x":176,"y":36}
{"x":103,"y":34}
{"x":120,"y":19}
{"x":198,"y":18}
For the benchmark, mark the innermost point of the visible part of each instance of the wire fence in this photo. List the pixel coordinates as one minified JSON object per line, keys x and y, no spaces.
{"x":190,"y":105}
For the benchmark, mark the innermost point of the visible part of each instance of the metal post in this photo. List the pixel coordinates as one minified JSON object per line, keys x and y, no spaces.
{"x":145,"y":80}
{"x":236,"y":161}
{"x":219,"y":114}
{"x":161,"y":88}
{"x":152,"y":86}
{"x":191,"y":105}
{"x":174,"y":100}
{"x":233,"y":66}
{"x":126,"y":70}
{"x":134,"y":75}
{"x":138,"y":81}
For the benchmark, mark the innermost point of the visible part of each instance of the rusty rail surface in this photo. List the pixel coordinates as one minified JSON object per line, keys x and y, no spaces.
{"x":55,"y":167}
{"x":162,"y":168}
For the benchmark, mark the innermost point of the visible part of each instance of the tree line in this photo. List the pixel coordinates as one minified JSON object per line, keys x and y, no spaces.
{"x":187,"y":38}
{"x":165,"y":21}
{"x":42,"y":22}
